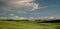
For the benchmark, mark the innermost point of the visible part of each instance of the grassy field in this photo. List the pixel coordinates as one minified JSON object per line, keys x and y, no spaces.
{"x":27,"y":25}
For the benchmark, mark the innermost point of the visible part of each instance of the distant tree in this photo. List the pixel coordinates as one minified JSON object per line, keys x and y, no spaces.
{"x":10,"y":19}
{"x":52,"y":21}
{"x":38,"y":21}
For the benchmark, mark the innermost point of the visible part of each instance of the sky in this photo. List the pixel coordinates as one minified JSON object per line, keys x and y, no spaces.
{"x":32,"y":9}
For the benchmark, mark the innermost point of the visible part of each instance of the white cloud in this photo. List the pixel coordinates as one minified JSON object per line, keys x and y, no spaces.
{"x":22,"y":5}
{"x":19,"y":6}
{"x":12,"y":14}
{"x":41,"y":17}
{"x":35,"y":6}
{"x":3,"y":17}
{"x":22,"y":18}
{"x":43,"y":7}
{"x":12,"y":7}
{"x":19,"y":3}
{"x":51,"y":17}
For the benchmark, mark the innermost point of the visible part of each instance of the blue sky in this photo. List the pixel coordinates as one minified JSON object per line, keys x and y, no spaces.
{"x":29,"y":8}
{"x":53,"y":7}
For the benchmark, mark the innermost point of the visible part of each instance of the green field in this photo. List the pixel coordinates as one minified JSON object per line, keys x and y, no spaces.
{"x":27,"y":25}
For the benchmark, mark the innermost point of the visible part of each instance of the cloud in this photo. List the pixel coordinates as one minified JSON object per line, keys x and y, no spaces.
{"x":18,"y":17}
{"x":43,"y":7}
{"x":51,"y":17}
{"x":3,"y":17}
{"x":41,"y":17}
{"x":18,"y":6}
{"x":35,"y":6}
{"x":19,"y":3}
{"x":12,"y":14}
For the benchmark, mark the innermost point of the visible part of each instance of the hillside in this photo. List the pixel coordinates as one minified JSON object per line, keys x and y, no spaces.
{"x":27,"y":25}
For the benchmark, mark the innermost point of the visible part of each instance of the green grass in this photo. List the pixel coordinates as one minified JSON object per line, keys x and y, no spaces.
{"x":27,"y":25}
